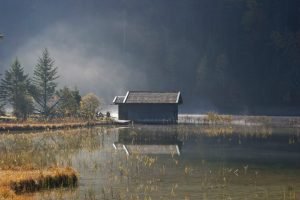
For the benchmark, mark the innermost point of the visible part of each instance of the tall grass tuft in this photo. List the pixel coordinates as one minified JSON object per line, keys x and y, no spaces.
{"x":24,"y":181}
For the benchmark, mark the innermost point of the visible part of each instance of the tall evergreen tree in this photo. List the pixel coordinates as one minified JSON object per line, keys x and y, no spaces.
{"x":15,"y":87}
{"x":45,"y":74}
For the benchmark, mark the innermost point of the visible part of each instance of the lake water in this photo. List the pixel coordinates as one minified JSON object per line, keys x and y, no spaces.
{"x":165,"y":162}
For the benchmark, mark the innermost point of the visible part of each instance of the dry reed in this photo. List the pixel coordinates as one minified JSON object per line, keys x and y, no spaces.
{"x":15,"y":182}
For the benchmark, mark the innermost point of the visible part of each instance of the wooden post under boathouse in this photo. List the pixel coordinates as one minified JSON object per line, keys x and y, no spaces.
{"x":149,"y":106}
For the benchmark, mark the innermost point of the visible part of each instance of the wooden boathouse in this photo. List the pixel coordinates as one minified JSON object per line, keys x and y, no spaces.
{"x":149,"y":106}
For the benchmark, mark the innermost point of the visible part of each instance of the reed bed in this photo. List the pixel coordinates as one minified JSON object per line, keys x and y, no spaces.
{"x":16,"y":182}
{"x":110,"y":174}
{"x":212,"y":118}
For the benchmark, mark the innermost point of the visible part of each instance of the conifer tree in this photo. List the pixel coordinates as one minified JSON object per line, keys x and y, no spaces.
{"x":44,"y":76}
{"x":15,"y":87}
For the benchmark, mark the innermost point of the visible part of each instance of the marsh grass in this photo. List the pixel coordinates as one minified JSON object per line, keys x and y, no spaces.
{"x":184,"y":132}
{"x":213,"y":118}
{"x":26,"y":160}
{"x":43,"y":149}
{"x":216,"y":118}
{"x":110,"y":174}
{"x":16,"y":182}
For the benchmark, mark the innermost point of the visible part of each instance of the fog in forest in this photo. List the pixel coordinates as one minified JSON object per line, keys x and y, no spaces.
{"x":229,"y":56}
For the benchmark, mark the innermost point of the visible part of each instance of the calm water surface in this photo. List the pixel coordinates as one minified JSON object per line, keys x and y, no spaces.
{"x":166,"y":162}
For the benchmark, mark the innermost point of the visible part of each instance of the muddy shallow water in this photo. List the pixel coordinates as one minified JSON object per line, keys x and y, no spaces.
{"x":165,"y":162}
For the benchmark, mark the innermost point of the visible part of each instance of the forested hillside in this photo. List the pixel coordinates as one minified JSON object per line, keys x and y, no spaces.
{"x":234,"y":55}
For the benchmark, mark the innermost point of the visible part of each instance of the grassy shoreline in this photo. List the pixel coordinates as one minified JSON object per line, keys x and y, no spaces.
{"x":206,"y":119}
{"x":33,"y":125}
{"x":14,"y":183}
{"x":239,"y":120}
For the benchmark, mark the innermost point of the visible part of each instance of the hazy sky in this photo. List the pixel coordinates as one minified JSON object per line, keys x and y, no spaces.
{"x":102,"y":46}
{"x":85,"y":39}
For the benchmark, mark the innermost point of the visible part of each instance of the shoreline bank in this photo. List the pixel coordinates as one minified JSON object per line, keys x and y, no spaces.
{"x":239,"y":120}
{"x":14,"y":183}
{"x":26,"y":126}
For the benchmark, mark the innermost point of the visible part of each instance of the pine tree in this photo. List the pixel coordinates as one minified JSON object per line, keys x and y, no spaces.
{"x":15,"y":90}
{"x":45,"y":74}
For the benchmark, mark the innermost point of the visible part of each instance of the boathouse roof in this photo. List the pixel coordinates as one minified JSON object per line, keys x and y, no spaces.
{"x":149,"y":97}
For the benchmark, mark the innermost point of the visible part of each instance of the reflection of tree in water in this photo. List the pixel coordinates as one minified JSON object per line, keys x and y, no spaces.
{"x":43,"y":149}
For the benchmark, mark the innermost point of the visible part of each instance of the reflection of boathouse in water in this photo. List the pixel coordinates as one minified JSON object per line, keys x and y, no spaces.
{"x":149,"y":107}
{"x":147,"y":143}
